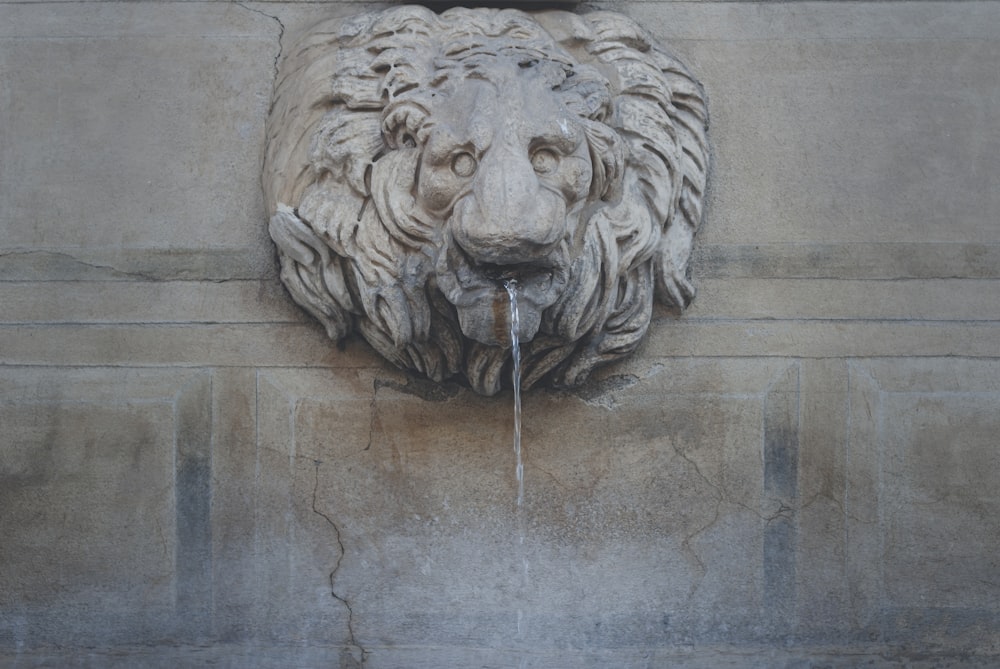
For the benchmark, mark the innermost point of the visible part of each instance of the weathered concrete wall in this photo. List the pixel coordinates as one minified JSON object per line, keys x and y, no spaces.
{"x":800,"y":471}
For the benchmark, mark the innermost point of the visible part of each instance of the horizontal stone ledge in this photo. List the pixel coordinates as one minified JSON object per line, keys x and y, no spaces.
{"x":853,"y":261}
{"x":845,"y":261}
{"x":709,"y":376}
{"x":834,"y":299}
{"x":137,"y":264}
{"x":94,"y":385}
{"x":243,"y":345}
{"x":110,"y":302}
{"x":688,"y":655}
{"x":822,"y":339}
{"x":305,"y":345}
{"x":250,"y":301}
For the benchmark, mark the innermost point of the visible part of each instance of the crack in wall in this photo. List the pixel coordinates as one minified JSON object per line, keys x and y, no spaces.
{"x":43,"y":265}
{"x":281,"y":34}
{"x":721,"y":497}
{"x":59,"y":255}
{"x":350,"y":661}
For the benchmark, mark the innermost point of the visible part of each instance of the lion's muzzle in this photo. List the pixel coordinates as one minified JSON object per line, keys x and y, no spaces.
{"x":508,"y":226}
{"x":508,"y":217}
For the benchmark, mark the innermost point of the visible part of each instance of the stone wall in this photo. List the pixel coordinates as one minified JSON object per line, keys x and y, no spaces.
{"x":802,"y":470}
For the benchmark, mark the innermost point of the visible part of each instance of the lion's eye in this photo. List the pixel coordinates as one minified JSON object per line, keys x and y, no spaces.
{"x":544,"y":161}
{"x":463,"y":164}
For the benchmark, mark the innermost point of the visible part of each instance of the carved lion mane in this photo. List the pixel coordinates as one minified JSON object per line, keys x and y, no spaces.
{"x":416,"y":161}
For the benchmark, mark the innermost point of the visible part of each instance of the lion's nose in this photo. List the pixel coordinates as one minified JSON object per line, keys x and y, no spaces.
{"x":509,"y":218}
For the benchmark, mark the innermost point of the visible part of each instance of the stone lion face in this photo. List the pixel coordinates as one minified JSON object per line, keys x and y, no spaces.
{"x":507,"y":169}
{"x":460,"y":152}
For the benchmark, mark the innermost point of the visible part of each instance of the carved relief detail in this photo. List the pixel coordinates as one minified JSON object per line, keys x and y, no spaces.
{"x":416,"y":160}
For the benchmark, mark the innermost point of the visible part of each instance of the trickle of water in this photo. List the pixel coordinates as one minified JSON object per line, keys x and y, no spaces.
{"x":515,"y":351}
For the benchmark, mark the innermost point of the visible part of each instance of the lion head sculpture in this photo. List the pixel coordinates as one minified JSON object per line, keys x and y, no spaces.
{"x":416,"y":162}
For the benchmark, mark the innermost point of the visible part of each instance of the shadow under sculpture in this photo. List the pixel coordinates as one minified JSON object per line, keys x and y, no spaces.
{"x":416,"y":161}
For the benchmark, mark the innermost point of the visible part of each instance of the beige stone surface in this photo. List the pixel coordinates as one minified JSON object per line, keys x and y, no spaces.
{"x":937,"y":456}
{"x":91,"y":546}
{"x":133,"y":126}
{"x":799,"y":471}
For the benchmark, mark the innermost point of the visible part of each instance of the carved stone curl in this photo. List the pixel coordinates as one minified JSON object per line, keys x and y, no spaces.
{"x":415,"y":161}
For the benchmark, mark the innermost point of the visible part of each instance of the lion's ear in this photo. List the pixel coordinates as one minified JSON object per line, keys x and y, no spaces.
{"x":402,"y":123}
{"x":591,"y":97}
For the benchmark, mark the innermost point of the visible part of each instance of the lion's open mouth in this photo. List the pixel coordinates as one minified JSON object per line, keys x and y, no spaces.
{"x":532,"y":278}
{"x":475,"y":287}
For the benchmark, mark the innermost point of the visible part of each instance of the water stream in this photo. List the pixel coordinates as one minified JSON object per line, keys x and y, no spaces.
{"x":515,"y":352}
{"x":511,"y":286}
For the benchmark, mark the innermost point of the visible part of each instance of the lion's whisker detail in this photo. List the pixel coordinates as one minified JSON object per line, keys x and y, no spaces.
{"x":417,"y":163}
